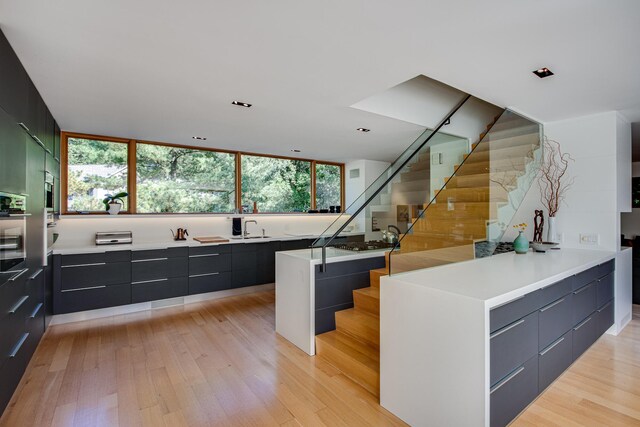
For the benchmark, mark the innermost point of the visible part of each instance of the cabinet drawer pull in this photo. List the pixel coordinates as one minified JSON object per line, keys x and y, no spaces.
{"x":505,"y":329}
{"x":548,"y":349}
{"x":18,"y":304}
{"x":605,"y":307}
{"x":509,"y":302}
{"x":205,"y":274}
{"x":150,"y":259}
{"x":584,"y":322}
{"x":18,"y":346}
{"x":20,"y":273}
{"x":199,"y":256}
{"x":506,"y":380}
{"x":84,"y":265}
{"x":583,"y":289}
{"x":36,"y":310}
{"x":23,"y":126}
{"x":36,"y":274}
{"x":149,"y":281}
{"x":84,"y":289}
{"x":553,"y":304}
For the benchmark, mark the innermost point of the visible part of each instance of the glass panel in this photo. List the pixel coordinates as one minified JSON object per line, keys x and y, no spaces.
{"x":184,"y":180}
{"x":327,"y":185}
{"x":96,"y":168}
{"x":469,"y":214}
{"x":275,"y":185}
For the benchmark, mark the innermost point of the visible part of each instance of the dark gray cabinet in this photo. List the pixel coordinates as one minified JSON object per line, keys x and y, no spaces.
{"x":549,"y":328}
{"x":512,"y":345}
{"x":514,"y":392}
{"x":13,"y":160}
{"x":266,"y":262}
{"x":89,"y":281}
{"x":159,"y":274}
{"x":14,"y":86}
{"x":244,"y":265}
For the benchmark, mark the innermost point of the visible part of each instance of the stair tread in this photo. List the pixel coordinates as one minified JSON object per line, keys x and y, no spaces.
{"x":370,"y":292}
{"x":359,"y":324}
{"x":353,"y":348}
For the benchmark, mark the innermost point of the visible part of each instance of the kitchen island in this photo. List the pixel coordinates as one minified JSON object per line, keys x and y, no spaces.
{"x":307,"y":298}
{"x":473,"y":343}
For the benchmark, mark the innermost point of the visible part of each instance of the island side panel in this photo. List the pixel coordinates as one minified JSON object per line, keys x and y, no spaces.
{"x":295,"y":301}
{"x":433,"y":355}
{"x":623,"y":290}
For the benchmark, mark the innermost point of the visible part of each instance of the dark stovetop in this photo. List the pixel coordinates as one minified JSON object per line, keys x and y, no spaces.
{"x":371,"y":245}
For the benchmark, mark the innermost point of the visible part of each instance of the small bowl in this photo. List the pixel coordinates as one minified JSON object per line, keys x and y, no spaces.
{"x":543,"y":246}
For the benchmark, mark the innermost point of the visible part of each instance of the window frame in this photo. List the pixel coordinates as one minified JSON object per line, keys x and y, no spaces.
{"x":132,"y":174}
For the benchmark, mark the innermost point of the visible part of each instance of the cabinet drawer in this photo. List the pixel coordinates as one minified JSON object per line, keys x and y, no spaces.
{"x":243,"y":247}
{"x":11,"y":292}
{"x":584,"y":334}
{"x":584,"y":302}
{"x":205,"y":250}
{"x":13,"y":324}
{"x":556,"y":291}
{"x":606,"y":268}
{"x":555,"y":320}
{"x":514,"y":392}
{"x":101,"y":296}
{"x":604,"y":289}
{"x":516,"y":309}
{"x":209,"y":282}
{"x":12,"y":368}
{"x":585,"y":277}
{"x":94,"y":258}
{"x":554,"y":360}
{"x":512,"y":345}
{"x":160,"y":253}
{"x":605,"y":317}
{"x":209,"y":263}
{"x":92,"y":275}
{"x":158,"y":268}
{"x":159,"y":289}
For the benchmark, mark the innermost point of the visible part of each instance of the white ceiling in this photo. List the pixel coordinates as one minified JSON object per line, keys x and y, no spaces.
{"x":167,"y":70}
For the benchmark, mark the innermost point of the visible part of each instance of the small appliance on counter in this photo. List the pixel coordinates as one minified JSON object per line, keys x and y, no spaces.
{"x":114,"y":238}
{"x":180,"y":234}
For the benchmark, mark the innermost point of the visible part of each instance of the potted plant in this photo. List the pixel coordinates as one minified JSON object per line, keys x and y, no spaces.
{"x":113,"y":203}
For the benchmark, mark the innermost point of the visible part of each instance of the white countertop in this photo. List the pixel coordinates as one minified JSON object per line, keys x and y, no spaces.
{"x":333,"y":255}
{"x":501,"y":278}
{"x":138,"y":246}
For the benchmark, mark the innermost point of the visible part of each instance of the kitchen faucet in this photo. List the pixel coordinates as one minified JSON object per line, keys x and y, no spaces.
{"x":245,"y":234}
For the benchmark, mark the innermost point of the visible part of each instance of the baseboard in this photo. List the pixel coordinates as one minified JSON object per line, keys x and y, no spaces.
{"x":81,"y":316}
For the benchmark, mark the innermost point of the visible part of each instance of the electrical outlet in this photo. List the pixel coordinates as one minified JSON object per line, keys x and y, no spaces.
{"x":589,"y":239}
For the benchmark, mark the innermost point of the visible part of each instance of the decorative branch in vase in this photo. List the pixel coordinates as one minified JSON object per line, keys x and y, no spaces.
{"x":554,"y":182}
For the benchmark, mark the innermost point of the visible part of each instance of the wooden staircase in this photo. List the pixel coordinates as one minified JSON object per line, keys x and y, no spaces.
{"x":354,"y":346}
{"x":469,"y":201}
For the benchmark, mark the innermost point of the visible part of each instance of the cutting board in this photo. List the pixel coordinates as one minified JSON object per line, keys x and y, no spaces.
{"x":211,"y":239}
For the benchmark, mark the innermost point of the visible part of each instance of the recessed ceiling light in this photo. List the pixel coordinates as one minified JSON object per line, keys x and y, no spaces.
{"x":241,"y":104}
{"x":199,"y":138}
{"x":543,"y":72}
{"x":363,"y":130}
{"x":295,"y":150}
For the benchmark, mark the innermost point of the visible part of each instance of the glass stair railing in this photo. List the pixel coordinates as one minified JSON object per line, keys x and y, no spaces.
{"x":399,"y":197}
{"x":467,"y":217}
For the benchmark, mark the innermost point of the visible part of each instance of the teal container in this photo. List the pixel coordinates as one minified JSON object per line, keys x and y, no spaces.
{"x":521,"y":244}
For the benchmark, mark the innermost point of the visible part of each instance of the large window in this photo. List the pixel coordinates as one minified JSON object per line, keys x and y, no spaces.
{"x":276,"y":185}
{"x":328,"y":185}
{"x":184,"y":180}
{"x":166,"y":178}
{"x":95,"y":168}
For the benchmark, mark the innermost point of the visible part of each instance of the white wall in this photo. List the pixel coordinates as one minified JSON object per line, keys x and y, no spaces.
{"x":600,"y":144}
{"x":370,"y":170}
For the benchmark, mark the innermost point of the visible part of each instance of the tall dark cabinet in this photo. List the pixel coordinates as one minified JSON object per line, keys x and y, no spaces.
{"x":29,"y":146}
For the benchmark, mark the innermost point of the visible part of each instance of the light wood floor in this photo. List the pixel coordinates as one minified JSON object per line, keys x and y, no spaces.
{"x":221,"y":363}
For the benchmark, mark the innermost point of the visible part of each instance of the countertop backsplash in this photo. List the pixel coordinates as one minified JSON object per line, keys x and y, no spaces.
{"x":77,"y":231}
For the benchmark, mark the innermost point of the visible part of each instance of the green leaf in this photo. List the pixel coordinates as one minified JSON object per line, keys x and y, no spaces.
{"x":121,"y":194}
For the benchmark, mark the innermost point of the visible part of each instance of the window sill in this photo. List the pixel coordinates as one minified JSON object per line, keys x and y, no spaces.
{"x":99,"y":215}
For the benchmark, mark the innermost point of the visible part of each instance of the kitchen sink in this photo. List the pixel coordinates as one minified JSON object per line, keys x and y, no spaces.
{"x":249,"y":237}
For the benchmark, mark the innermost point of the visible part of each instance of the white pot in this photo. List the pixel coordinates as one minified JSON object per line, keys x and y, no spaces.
{"x":552,"y":233}
{"x":114,"y":208}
